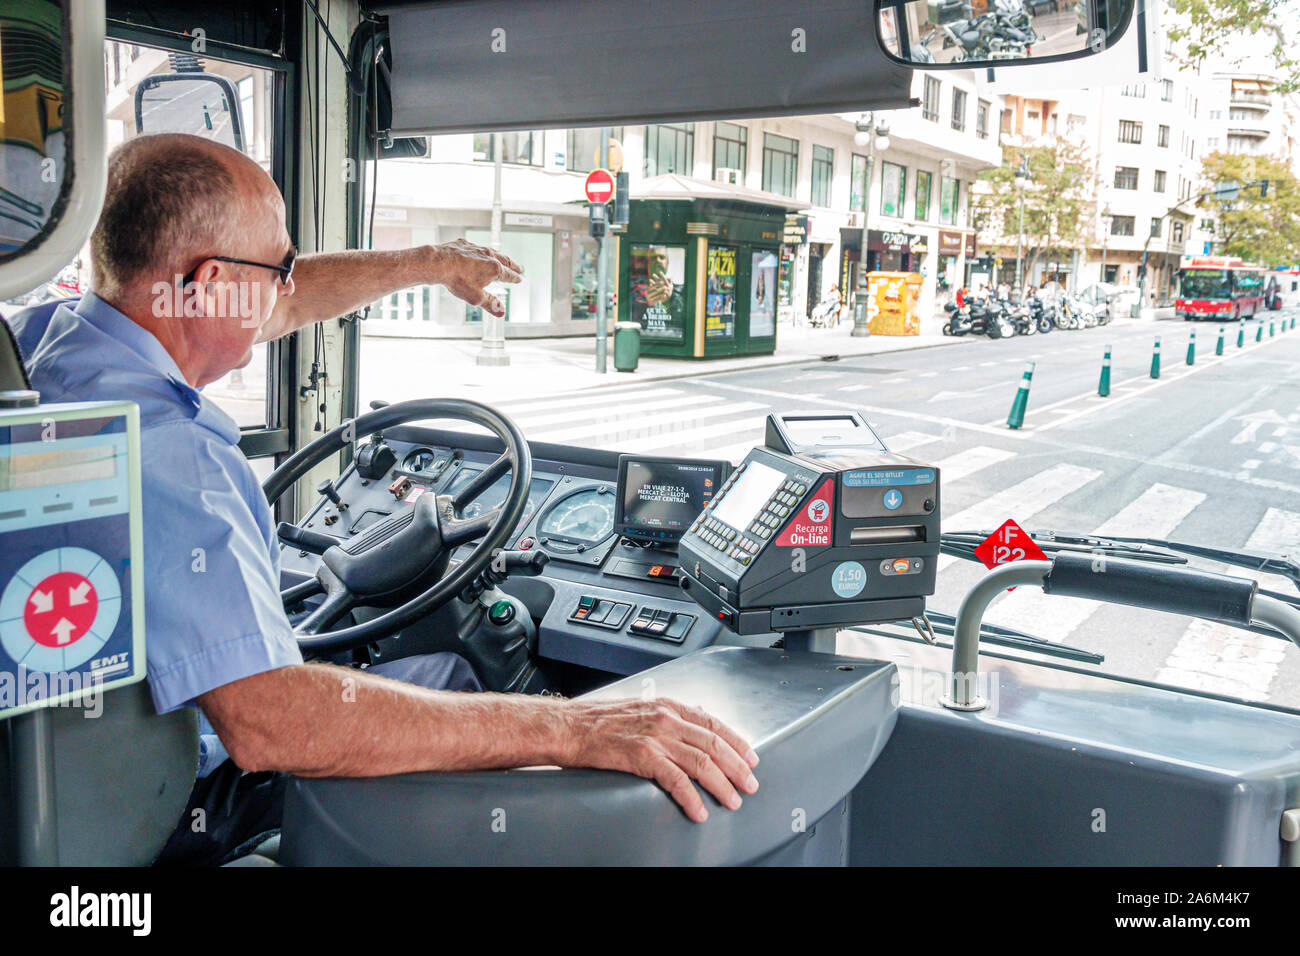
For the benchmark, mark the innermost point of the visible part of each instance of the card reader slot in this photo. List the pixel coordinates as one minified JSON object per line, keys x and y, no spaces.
{"x":890,"y":535}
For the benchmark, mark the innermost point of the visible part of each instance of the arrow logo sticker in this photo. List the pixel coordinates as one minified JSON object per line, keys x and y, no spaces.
{"x":63,"y":631}
{"x":43,"y":601}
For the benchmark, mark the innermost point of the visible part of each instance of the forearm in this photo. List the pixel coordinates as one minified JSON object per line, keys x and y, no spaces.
{"x":347,"y":723}
{"x":331,"y":284}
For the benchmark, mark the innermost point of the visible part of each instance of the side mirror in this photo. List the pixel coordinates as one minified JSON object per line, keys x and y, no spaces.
{"x":203,"y":104}
{"x":52,"y":132}
{"x":955,"y":34}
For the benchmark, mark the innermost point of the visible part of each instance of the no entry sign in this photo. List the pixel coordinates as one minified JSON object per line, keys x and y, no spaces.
{"x":599,"y":186}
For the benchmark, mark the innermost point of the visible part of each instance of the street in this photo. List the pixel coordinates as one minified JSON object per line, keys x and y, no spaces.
{"x":1208,"y":453}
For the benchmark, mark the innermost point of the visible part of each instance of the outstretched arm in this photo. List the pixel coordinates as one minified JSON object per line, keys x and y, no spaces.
{"x":330,"y":284}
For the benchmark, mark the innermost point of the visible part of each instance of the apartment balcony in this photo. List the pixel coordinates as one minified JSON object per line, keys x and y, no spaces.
{"x":1251,"y":101}
{"x":1250,"y":132}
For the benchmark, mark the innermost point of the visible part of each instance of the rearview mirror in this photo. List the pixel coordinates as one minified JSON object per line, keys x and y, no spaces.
{"x":203,"y":104}
{"x":931,"y":34}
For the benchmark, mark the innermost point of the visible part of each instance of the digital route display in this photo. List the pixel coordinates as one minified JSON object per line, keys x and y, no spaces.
{"x":660,"y":497}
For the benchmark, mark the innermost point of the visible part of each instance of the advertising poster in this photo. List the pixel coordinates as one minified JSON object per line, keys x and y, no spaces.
{"x":720,"y":294}
{"x":892,"y":303}
{"x":762,"y":298}
{"x":658,"y":277}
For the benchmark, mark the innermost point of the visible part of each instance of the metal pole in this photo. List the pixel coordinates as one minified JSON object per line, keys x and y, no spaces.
{"x":860,"y":329}
{"x":493,"y":347}
{"x":602,"y":270}
{"x":1020,"y":242}
{"x":32,"y":738}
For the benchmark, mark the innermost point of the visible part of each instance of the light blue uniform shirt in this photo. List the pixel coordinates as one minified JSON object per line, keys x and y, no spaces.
{"x":211,"y":561}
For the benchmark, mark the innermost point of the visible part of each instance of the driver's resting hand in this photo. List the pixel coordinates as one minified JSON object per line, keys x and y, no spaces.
{"x":668,"y":742}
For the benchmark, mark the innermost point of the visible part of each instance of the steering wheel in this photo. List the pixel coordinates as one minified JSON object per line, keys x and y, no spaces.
{"x":402,"y":560}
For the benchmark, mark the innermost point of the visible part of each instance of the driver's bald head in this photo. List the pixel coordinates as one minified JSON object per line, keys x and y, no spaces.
{"x":171,"y":200}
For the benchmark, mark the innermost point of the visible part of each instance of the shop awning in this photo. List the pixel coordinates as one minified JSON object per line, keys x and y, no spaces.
{"x":505,"y":65}
{"x":674,"y":186}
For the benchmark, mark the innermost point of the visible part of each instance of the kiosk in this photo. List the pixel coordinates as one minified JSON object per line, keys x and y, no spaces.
{"x":698,"y":267}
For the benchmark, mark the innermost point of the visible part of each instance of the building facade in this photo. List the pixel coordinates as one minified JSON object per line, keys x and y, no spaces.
{"x":914,"y":202}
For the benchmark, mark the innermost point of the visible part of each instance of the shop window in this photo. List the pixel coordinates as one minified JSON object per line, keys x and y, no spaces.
{"x":528,"y":301}
{"x":582,"y":287}
{"x":893,"y":184}
{"x":730,"y":148}
{"x":780,"y":163}
{"x":860,"y":178}
{"x":949,"y":195}
{"x":823,"y":168}
{"x":921,"y":210}
{"x":670,"y":148}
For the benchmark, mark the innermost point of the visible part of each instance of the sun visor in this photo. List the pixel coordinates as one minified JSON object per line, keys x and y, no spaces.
{"x":499,"y":65}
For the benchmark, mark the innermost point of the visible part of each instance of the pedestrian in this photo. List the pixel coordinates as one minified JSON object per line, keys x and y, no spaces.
{"x":1004,"y":290}
{"x":961,"y":297}
{"x":837,"y":306}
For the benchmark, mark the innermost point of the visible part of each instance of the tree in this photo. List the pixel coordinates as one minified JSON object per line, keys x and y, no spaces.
{"x":1264,"y":229}
{"x":1202,"y":27}
{"x":1059,"y":202}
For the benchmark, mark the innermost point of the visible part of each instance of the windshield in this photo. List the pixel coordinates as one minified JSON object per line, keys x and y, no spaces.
{"x":1204,"y":284}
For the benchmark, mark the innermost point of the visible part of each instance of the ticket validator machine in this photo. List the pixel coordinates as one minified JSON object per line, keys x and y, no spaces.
{"x":821,"y":528}
{"x":71,"y":592}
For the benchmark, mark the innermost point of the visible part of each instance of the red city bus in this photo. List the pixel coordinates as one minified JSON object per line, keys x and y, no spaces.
{"x":1219,"y":287}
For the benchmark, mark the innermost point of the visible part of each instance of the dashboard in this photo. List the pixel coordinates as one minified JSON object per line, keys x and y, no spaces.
{"x":606,"y":600}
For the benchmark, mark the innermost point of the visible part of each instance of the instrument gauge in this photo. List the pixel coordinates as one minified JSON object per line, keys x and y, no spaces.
{"x":586,"y":517}
{"x":419,"y":460}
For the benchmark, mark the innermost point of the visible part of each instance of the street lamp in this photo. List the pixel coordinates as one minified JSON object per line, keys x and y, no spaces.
{"x":1105,"y":239}
{"x":1023,"y":178}
{"x":872,"y":133}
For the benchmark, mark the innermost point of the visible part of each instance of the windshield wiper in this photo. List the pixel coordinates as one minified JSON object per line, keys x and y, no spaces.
{"x":962,"y":544}
{"x":943,"y":623}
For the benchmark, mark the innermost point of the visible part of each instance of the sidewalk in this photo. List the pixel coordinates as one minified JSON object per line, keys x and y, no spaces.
{"x":390,"y":367}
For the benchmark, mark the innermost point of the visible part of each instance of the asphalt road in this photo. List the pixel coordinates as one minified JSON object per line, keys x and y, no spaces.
{"x":1208,"y":453}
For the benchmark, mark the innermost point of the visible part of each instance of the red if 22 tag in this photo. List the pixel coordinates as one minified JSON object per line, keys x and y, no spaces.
{"x":1009,"y":543}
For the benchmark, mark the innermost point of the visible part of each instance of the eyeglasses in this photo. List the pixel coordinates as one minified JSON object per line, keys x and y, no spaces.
{"x":284,"y":269}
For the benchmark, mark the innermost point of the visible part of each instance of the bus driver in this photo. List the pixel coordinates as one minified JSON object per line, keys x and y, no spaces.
{"x":184,"y":217}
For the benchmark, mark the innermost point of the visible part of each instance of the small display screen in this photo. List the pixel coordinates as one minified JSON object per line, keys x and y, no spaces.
{"x":40,"y":469}
{"x":748,"y":495}
{"x":662,"y":496}
{"x":833,"y":430}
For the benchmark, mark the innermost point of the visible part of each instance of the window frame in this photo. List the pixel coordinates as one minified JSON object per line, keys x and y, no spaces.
{"x":857,"y":171}
{"x":902,"y":189}
{"x":918,"y":213}
{"x":742,"y":145}
{"x":791,"y":156}
{"x":929,"y":106}
{"x":958,"y":109}
{"x":681,"y":129}
{"x":823,"y":169}
{"x":278,"y":435}
{"x":1122,"y":177}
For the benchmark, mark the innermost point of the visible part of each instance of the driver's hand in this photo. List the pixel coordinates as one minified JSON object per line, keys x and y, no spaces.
{"x":668,"y":742}
{"x":466,"y":269}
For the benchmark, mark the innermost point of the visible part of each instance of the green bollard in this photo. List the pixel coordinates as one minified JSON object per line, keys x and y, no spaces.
{"x":1155,"y":360}
{"x":1270,"y":328}
{"x":1241,"y":333}
{"x":1017,"y":416}
{"x":1103,"y":387}
{"x":1218,"y":348}
{"x":1191,"y":350}
{"x":1259,"y":333}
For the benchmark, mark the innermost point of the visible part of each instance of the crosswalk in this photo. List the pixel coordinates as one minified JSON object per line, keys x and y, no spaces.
{"x":983,"y":485}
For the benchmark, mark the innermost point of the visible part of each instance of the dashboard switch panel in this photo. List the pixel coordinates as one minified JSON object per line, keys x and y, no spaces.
{"x":661,"y":623}
{"x":600,"y":612}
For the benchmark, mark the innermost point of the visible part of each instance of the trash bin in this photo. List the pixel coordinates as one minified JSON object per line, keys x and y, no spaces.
{"x":627,"y":346}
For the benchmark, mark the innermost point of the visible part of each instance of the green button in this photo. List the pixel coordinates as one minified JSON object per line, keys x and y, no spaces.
{"x":501,"y":612}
